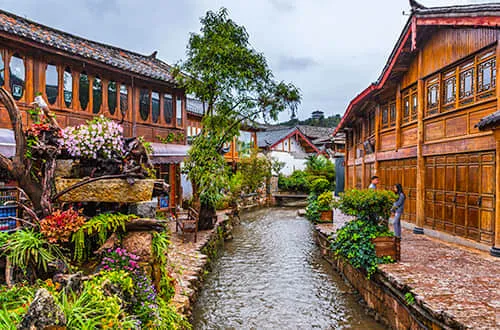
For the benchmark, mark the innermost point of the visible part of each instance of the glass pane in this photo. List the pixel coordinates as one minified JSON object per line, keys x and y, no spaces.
{"x":2,"y":71}
{"x":155,"y":107}
{"x":407,"y":107}
{"x":144,"y":104}
{"x":385,"y":118}
{"x":97,"y":95}
{"x":486,"y":76}
{"x":178,"y":110}
{"x":466,"y":83}
{"x":392,"y":113}
{"x":168,"y":108}
{"x":112,"y":97}
{"x":68,"y":87}
{"x":51,"y":83}
{"x":414,"y":105}
{"x":17,"y":77}
{"x":83,"y":90}
{"x":449,"y":90}
{"x":123,"y":99}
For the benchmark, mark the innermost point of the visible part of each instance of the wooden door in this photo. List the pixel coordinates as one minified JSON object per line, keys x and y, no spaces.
{"x":460,"y":195}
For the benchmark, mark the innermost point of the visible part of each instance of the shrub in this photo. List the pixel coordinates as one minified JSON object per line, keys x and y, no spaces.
{"x":312,"y":209}
{"x":297,"y":182}
{"x":325,"y":201}
{"x":367,"y":205}
{"x":255,"y":170}
{"x":320,"y":166}
{"x":60,"y":225}
{"x":319,"y":186}
{"x":353,"y":242}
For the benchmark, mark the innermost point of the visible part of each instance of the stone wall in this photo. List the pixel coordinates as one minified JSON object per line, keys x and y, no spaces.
{"x":381,"y":295}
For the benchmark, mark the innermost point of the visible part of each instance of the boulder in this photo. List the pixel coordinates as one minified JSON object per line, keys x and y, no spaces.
{"x":43,"y":313}
{"x":143,"y":209}
{"x":139,"y":243}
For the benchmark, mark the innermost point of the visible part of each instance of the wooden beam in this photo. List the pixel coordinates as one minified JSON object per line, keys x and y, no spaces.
{"x":495,"y":250}
{"x":484,"y":21}
{"x":419,"y":229}
{"x":398,"y":116}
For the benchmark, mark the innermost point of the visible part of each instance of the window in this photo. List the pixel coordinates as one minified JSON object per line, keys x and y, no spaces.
{"x":112,"y":97}
{"x":96,"y":95}
{"x":371,"y":123}
{"x":51,"y":83}
{"x":466,"y":83}
{"x":123,"y":99}
{"x":432,"y":96}
{"x":168,"y":108}
{"x":155,"y":106}
{"x":414,"y":105}
{"x":2,"y":70}
{"x":385,"y":116}
{"x":83,"y":89}
{"x":486,"y":72}
{"x":178,"y":110}
{"x":17,"y":77}
{"x":449,"y":90}
{"x":68,"y":87}
{"x":392,"y":113}
{"x":406,"y":107}
{"x":144,"y":104}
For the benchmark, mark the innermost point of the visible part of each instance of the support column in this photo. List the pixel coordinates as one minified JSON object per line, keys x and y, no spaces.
{"x":398,"y":117}
{"x":495,"y":250}
{"x":346,"y":160}
{"x":377,"y":137}
{"x":419,"y":228}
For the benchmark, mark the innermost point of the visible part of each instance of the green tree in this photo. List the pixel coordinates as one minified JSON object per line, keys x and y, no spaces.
{"x":233,"y":79}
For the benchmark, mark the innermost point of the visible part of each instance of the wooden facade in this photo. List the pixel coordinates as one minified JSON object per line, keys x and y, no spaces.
{"x":81,"y":79}
{"x":417,"y":124}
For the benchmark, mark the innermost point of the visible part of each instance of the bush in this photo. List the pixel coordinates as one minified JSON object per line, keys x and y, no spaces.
{"x":367,"y":205}
{"x":255,"y":171}
{"x":312,"y":209}
{"x":60,"y":225}
{"x":297,"y":182}
{"x":319,"y":186}
{"x":353,"y":242}
{"x":320,"y":166}
{"x":325,"y":201}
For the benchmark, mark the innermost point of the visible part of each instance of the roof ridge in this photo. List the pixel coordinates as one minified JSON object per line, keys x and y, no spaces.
{"x":30,"y":21}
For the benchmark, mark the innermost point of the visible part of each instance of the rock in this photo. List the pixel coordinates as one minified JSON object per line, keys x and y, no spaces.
{"x":64,"y":167}
{"x":111,"y":191}
{"x":301,"y":212}
{"x":42,"y":313}
{"x":139,"y":243}
{"x":143,"y":209}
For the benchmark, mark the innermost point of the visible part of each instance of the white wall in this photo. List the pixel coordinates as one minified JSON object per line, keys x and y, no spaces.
{"x":291,"y":162}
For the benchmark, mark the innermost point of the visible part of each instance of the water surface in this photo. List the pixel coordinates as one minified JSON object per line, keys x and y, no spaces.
{"x":271,"y":276}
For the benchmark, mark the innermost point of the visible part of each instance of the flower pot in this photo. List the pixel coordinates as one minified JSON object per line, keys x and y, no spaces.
{"x":326,"y":216}
{"x":388,"y":247}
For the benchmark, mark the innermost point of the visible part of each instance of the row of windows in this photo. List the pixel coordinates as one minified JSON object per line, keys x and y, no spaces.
{"x":117,"y":93}
{"x":472,"y":81}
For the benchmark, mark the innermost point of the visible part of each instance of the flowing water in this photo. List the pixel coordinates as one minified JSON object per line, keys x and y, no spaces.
{"x":272,"y":276}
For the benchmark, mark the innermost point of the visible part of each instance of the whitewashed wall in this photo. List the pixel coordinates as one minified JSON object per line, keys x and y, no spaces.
{"x":291,"y":162}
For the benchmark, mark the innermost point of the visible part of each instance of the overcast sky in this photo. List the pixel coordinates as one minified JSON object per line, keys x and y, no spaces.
{"x":330,"y":49}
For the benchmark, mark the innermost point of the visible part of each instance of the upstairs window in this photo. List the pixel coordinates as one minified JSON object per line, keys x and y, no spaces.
{"x":385,"y":116}
{"x":486,"y":74}
{"x":414,"y":104}
{"x":144,"y":104}
{"x":112,"y":97}
{"x":371,"y":123}
{"x":449,"y":90}
{"x":178,"y":110}
{"x":406,"y":107}
{"x":466,"y":83}
{"x":392,"y":114}
{"x":432,"y":96}
{"x":68,"y":87}
{"x":51,"y":83}
{"x":123,"y":99}
{"x":83,"y":90}
{"x":96,"y":95}
{"x":17,"y":77}
{"x":155,"y":106}
{"x":168,"y":108}
{"x":2,"y":70}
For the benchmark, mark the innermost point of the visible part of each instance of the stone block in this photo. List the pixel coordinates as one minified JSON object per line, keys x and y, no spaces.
{"x":139,"y":243}
{"x":143,"y":209}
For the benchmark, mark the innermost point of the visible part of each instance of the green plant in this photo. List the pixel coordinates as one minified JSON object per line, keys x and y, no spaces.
{"x":353,"y":242}
{"x":179,"y":137}
{"x":160,"y":244}
{"x":312,"y":209}
{"x":319,"y":186}
{"x":60,"y":225}
{"x":120,"y":259}
{"x":147,"y":145}
{"x":298,"y":182}
{"x":368,"y":205}
{"x":101,"y":226}
{"x":321,"y":167}
{"x":26,"y":248}
{"x":325,"y":201}
{"x":409,"y":298}
{"x":255,"y":170}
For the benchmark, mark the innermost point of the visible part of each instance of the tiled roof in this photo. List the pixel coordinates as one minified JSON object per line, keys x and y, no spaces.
{"x":314,"y":132}
{"x":195,"y":106}
{"x":270,"y":137}
{"x":147,"y":66}
{"x":490,"y":121}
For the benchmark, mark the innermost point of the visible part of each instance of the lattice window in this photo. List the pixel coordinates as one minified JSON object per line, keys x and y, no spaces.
{"x":432,"y":96}
{"x":385,"y":116}
{"x":466,"y":76}
{"x":392,"y":114}
{"x":414,"y":103}
{"x":486,"y":75}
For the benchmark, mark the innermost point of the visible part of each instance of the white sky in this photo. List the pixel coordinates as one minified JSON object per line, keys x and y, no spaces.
{"x":330,"y":49}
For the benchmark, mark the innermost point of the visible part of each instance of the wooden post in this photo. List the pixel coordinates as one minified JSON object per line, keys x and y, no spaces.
{"x":398,"y":117}
{"x":419,"y":228}
{"x":495,"y":249}
{"x":377,"y":137}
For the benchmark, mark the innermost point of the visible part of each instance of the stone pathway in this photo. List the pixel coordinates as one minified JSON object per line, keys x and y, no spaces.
{"x":460,"y":283}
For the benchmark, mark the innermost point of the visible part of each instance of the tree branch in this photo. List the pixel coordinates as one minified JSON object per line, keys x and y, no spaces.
{"x":17,"y":122}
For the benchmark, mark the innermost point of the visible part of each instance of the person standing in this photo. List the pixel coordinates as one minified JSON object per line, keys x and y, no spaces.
{"x":373,"y":183}
{"x":398,"y":209}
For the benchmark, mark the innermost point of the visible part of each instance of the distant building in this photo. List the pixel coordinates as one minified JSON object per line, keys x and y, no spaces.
{"x":318,"y":114}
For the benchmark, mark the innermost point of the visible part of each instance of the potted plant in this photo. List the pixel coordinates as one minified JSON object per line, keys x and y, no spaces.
{"x":325,"y":206}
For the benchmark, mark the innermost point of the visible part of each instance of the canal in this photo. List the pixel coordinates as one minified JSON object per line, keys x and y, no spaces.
{"x":272,"y":276}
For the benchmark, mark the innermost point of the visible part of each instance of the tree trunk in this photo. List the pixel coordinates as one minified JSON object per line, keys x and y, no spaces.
{"x":207,"y":216}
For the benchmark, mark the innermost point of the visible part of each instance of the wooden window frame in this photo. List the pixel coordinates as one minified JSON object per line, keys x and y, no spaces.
{"x":464,"y":70}
{"x":413,"y":104}
{"x":371,"y":123}
{"x":432,"y":84}
{"x":406,"y":107}
{"x":384,"y":122}
{"x":72,"y":74}
{"x":119,"y":105}
{"x":485,"y":60}
{"x":392,"y":113}
{"x":21,"y":55}
{"x":449,"y":101}
{"x":59,"y":81}
{"x":148,"y":119}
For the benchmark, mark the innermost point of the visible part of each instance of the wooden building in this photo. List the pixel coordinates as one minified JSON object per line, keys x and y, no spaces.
{"x":81,"y":79}
{"x":417,"y":124}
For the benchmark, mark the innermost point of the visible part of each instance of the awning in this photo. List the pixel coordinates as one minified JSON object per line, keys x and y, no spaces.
{"x":167,"y":153}
{"x":7,"y":142}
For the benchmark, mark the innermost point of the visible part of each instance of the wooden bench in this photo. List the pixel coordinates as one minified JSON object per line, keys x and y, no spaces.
{"x":187,"y":222}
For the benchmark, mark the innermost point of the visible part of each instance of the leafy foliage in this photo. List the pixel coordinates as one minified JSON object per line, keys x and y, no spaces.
{"x":325,"y":201}
{"x":297,"y":182}
{"x":26,"y":248}
{"x":60,"y":225}
{"x":120,"y":259}
{"x":319,"y":186}
{"x":368,"y":205}
{"x":312,"y":209}
{"x":321,"y":167}
{"x":255,"y":170}
{"x":331,"y":121}
{"x":353,"y":242}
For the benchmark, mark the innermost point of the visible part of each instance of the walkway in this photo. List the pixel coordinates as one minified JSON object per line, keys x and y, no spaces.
{"x":459,"y":283}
